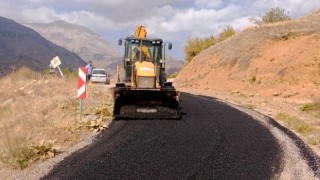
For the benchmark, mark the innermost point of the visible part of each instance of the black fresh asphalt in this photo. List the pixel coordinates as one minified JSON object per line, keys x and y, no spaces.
{"x":211,"y":141}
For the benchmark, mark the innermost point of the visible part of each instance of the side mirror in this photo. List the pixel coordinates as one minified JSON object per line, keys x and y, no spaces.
{"x":120,"y":42}
{"x":170,"y":46}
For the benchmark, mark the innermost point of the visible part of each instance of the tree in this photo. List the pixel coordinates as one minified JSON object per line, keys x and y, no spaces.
{"x":272,"y":16}
{"x":195,"y":45}
{"x":226,"y":33}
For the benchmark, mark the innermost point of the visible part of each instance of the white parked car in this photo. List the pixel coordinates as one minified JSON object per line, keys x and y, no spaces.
{"x":100,"y":76}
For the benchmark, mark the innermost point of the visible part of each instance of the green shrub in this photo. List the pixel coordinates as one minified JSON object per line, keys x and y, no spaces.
{"x":272,"y":16}
{"x":307,"y":107}
{"x":173,"y":75}
{"x":17,"y":158}
{"x":253,"y":79}
{"x":67,"y":72}
{"x":46,"y":71}
{"x":251,"y":106}
{"x":195,"y":45}
{"x":15,"y":151}
{"x":44,"y":150}
{"x":295,"y":124}
{"x":226,"y":33}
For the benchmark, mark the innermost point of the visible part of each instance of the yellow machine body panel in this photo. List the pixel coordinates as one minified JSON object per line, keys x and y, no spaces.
{"x":145,"y":68}
{"x":145,"y":75}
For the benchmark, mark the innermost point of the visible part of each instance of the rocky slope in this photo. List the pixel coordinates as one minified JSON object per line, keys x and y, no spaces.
{"x":21,"y":46}
{"x":87,"y":44}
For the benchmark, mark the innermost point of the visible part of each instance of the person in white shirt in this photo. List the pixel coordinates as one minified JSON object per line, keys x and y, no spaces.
{"x":89,"y":68}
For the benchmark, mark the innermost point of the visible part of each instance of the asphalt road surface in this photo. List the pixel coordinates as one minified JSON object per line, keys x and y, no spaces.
{"x":211,"y":141}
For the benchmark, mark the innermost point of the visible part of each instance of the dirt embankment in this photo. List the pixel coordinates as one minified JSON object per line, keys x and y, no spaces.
{"x":272,"y":68}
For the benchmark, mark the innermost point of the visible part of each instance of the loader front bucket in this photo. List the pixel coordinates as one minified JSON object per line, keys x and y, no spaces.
{"x":146,"y":103}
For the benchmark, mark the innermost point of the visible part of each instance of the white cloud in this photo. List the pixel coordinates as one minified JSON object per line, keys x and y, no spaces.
{"x":41,"y":14}
{"x":296,"y":8}
{"x":208,"y":4}
{"x":36,"y":1}
{"x":197,"y":22}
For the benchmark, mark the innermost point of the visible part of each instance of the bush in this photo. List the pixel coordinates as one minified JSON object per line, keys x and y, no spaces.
{"x":195,"y":45}
{"x":67,"y":72}
{"x":253,"y":79}
{"x":226,"y":33}
{"x":272,"y":16}
{"x":173,"y":75}
{"x":295,"y":124}
{"x":307,"y":107}
{"x":15,"y":150}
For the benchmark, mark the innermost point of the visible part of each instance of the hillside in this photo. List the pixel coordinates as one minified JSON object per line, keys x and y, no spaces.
{"x":272,"y":69}
{"x":21,"y":46}
{"x":281,"y":58}
{"x":87,"y":44}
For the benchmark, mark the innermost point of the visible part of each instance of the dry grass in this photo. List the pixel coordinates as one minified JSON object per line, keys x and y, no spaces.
{"x":312,"y":108}
{"x":309,"y":132}
{"x":295,"y":124}
{"x":37,"y":107}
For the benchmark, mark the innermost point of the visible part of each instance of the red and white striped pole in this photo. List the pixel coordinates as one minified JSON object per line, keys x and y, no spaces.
{"x":82,"y":78}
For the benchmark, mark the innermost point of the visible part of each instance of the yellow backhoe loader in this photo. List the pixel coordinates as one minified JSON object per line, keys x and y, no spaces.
{"x":142,"y":90}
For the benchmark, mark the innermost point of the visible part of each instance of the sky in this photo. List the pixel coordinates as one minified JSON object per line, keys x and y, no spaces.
{"x":172,"y":20}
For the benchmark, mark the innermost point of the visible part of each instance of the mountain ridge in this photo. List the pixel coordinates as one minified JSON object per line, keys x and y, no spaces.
{"x":89,"y":45}
{"x":22,"y":46}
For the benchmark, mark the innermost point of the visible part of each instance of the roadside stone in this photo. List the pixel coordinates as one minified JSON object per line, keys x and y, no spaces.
{"x":235,"y":92}
{"x":276,"y":93}
{"x":91,"y":117}
{"x":29,"y":92}
{"x":8,"y":102}
{"x":46,"y":81}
